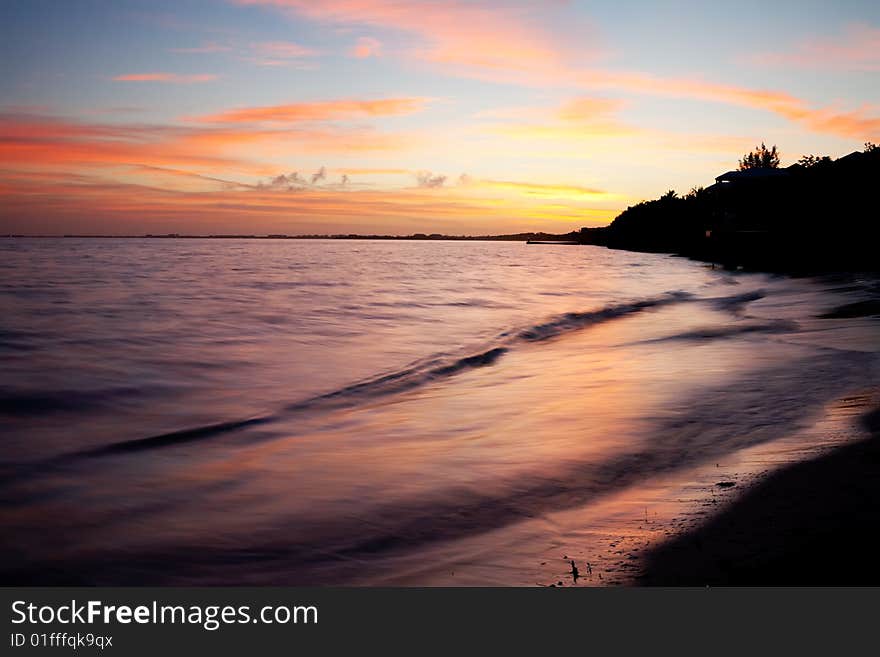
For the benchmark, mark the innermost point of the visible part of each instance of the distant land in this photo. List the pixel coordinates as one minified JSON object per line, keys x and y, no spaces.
{"x":516,"y":237}
{"x":816,"y":215}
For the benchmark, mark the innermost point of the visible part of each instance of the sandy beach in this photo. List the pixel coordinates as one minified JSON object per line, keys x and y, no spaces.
{"x":613,"y":541}
{"x":810,"y":523}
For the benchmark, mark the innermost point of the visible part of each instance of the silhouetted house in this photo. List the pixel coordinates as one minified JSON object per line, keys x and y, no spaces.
{"x":854,"y":157}
{"x":750,"y":174}
{"x":746,"y":175}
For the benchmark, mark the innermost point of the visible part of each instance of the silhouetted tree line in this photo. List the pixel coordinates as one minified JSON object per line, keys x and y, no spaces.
{"x":818,"y":214}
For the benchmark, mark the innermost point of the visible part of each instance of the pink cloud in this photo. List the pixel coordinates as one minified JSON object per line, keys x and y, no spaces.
{"x":857,"y":49}
{"x":210,"y":47}
{"x":284,"y":50}
{"x":852,"y":124}
{"x":479,"y":39}
{"x":164,"y":77}
{"x":367,"y":47}
{"x":282,"y":53}
{"x":504,"y":43}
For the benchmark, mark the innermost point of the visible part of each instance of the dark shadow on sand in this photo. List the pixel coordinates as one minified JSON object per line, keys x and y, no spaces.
{"x":812,"y":523}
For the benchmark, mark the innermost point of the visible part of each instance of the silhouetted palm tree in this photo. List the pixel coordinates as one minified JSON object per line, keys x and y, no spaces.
{"x":760,"y":158}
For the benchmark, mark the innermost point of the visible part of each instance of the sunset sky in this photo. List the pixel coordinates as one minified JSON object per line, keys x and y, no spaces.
{"x":372,"y":116}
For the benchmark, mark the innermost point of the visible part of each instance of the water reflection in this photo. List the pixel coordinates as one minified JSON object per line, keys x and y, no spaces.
{"x":326,"y":409}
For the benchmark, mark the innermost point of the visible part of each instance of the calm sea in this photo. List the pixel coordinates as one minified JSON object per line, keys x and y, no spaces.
{"x":345,"y":412}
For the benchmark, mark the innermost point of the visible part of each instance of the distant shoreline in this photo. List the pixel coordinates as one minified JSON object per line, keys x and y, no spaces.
{"x":808,"y":217}
{"x":418,"y":237}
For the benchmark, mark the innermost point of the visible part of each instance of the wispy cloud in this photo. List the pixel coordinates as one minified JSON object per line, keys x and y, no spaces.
{"x":320,"y":174}
{"x":580,"y":118}
{"x":206,"y":48}
{"x":853,"y":124}
{"x":165,"y":77}
{"x":296,"y":182}
{"x":284,"y":50}
{"x":318,"y":111}
{"x":373,"y":171}
{"x":282,"y":53}
{"x":856,"y":49}
{"x":428,"y":180}
{"x":504,"y":42}
{"x":261,"y":53}
{"x":547,"y":190}
{"x":486,"y":39}
{"x":41,"y":141}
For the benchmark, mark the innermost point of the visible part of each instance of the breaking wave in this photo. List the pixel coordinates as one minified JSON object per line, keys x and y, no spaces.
{"x":431,"y":370}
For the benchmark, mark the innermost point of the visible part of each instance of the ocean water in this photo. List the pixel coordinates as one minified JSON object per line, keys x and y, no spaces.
{"x":348,"y":412}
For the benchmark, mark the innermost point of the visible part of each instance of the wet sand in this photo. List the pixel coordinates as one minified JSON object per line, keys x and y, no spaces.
{"x":609,"y":538}
{"x":810,"y":523}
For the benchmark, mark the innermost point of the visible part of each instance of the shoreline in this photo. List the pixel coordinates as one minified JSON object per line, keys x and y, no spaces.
{"x":610,"y":538}
{"x":801,"y":524}
{"x":678,"y":510}
{"x":527,"y":237}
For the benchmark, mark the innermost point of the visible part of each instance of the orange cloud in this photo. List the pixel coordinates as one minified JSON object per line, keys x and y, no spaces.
{"x":47,"y":206}
{"x":61,"y":176}
{"x":547,"y":190}
{"x":318,"y":111}
{"x":38,"y":141}
{"x":314,"y":138}
{"x":589,"y":109}
{"x":164,"y":77}
{"x":43,"y":141}
{"x":580,"y":118}
{"x":855,"y":124}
